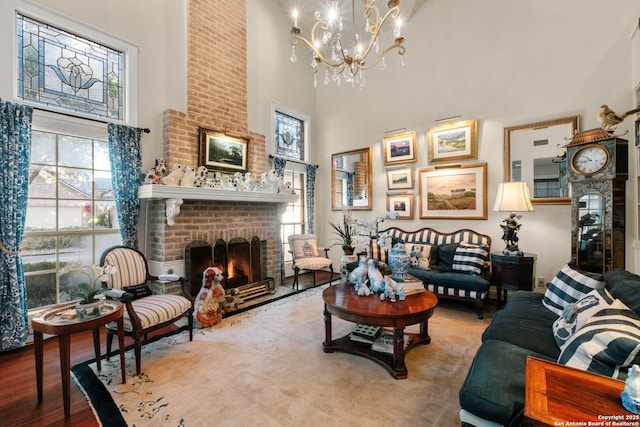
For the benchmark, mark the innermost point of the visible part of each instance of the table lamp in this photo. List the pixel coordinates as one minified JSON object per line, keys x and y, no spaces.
{"x":512,"y":197}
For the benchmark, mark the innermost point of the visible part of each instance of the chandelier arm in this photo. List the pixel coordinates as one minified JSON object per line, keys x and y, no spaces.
{"x":316,"y":52}
{"x":375,"y":30}
{"x":401,"y":50}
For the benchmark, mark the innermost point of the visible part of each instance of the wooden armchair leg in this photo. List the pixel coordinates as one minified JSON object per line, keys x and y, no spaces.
{"x":109,"y":343}
{"x":138,"y":352}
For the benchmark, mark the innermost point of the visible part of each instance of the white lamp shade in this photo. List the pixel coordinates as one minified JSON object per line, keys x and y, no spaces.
{"x":513,"y":197}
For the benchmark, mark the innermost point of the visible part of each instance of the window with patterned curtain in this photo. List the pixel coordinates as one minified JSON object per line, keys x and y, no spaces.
{"x":77,"y":77}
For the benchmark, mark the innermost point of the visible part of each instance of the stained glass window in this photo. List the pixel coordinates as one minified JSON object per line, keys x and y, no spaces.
{"x":289,"y":136}
{"x":63,"y":70}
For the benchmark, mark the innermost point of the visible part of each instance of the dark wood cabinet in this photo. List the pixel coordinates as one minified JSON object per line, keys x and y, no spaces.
{"x":512,"y":273}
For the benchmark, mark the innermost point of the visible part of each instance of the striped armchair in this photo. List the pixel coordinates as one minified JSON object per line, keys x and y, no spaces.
{"x":145,"y":312}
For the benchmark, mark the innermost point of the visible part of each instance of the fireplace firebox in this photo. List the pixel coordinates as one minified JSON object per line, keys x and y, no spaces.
{"x":241,"y":260}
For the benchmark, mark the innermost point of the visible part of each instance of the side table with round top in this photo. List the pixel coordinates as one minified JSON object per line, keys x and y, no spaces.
{"x":61,"y":321}
{"x":342,"y":301}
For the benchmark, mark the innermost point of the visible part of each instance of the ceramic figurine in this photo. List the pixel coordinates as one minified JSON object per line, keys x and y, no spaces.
{"x":359,"y":274}
{"x":376,"y":279}
{"x":631,"y":392}
{"x":399,"y":261}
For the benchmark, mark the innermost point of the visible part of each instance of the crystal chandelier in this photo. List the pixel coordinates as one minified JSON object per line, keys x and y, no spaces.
{"x":347,"y":56}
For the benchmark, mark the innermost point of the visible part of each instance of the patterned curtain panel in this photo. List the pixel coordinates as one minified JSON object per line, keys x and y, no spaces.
{"x":126,"y":164}
{"x":310,"y":199}
{"x":15,"y":150}
{"x":278,"y":166}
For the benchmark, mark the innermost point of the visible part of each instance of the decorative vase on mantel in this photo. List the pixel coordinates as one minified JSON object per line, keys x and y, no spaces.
{"x":399,"y":261}
{"x":348,"y":250}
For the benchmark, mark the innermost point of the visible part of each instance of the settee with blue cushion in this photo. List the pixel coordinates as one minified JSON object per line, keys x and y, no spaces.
{"x":452,"y":265}
{"x":586,"y":321}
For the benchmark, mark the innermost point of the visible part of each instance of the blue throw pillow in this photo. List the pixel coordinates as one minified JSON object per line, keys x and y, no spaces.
{"x":470,"y":258}
{"x":569,"y":285}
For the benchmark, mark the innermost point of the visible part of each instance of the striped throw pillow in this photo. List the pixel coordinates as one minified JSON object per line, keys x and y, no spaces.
{"x":569,"y":285}
{"x":470,"y":258}
{"x":575,"y":315}
{"x":607,"y":344}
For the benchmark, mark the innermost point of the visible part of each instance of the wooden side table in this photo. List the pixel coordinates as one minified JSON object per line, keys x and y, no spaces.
{"x":557,"y":395}
{"x":60,"y":321}
{"x":512,"y":273}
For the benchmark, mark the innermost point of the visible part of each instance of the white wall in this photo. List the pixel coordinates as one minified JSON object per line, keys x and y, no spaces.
{"x":156,"y":27}
{"x":503,"y":62}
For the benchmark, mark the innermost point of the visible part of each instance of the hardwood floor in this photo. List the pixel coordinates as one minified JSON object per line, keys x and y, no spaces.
{"x":18,"y":391}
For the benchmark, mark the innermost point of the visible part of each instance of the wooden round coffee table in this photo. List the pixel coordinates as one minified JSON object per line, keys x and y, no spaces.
{"x":342,"y":301}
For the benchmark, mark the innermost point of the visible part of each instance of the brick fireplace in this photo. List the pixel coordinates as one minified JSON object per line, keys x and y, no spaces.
{"x":217,"y":100}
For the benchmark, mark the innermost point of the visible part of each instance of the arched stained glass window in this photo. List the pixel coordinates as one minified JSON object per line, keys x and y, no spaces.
{"x":63,"y":70}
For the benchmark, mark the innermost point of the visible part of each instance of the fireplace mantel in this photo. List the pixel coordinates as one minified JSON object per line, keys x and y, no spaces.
{"x":174,"y":196}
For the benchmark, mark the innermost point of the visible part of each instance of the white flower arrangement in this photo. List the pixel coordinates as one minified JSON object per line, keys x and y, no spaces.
{"x":95,"y":273}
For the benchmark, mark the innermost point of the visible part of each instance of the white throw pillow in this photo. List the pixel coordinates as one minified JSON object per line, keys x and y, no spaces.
{"x":420,"y":255}
{"x":305,"y":248}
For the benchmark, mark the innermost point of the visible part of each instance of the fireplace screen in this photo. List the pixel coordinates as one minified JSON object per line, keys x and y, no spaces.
{"x":241,"y":261}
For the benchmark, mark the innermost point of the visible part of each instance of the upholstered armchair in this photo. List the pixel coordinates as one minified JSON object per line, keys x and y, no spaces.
{"x":306,"y":256}
{"x":145,"y":311}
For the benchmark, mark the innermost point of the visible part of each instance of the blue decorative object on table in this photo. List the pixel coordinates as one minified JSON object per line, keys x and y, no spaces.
{"x":399,"y":261}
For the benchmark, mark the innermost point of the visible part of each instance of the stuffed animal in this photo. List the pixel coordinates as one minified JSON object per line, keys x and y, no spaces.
{"x":189,"y":177}
{"x":153,"y":175}
{"x":201,"y":176}
{"x":359,"y":274}
{"x":209,"y":304}
{"x":376,"y":279}
{"x":174,"y":176}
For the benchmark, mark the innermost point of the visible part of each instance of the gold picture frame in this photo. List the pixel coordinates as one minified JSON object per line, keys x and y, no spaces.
{"x":219,"y":151}
{"x":400,"y":148}
{"x":401,"y":204}
{"x":453,"y":142}
{"x":457,"y":192}
{"x":400,"y":179}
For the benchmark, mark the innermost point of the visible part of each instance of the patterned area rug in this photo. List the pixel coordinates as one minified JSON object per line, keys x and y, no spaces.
{"x":266,"y":367}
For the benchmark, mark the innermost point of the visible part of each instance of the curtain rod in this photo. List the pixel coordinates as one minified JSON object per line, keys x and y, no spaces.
{"x":145,"y":130}
{"x":271,"y":156}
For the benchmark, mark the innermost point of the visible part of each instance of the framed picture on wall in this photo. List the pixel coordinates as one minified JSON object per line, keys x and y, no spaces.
{"x":222,"y":152}
{"x":400,"y":148}
{"x":402,"y":204}
{"x":400,"y":179}
{"x":458,"y":192}
{"x":453,"y":141}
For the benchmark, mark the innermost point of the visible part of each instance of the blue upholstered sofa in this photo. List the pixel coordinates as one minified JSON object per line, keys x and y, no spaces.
{"x":452,"y":265}
{"x":493,"y":393}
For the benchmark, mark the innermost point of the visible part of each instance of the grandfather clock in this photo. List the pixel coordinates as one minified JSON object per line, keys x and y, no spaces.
{"x":598,"y":169}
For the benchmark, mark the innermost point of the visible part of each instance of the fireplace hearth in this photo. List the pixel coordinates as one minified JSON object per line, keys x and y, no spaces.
{"x":241,"y":260}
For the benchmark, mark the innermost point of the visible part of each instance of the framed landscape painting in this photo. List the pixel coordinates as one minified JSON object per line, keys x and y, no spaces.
{"x":400,"y":148}
{"x":453,"y":141}
{"x":454,"y":192}
{"x":219,"y":151}
{"x":400,"y":179}
{"x":402,"y":204}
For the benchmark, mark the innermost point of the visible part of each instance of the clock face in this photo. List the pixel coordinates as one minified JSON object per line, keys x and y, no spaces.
{"x":590,"y":159}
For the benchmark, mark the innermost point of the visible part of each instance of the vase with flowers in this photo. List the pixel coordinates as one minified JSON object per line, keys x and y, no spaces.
{"x":90,"y":279}
{"x":345,"y":231}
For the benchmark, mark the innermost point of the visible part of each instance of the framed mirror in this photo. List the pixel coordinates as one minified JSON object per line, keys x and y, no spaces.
{"x":535,"y":153}
{"x":351,"y":180}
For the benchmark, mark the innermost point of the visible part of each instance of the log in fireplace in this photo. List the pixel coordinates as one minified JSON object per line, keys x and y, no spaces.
{"x":241,"y":260}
